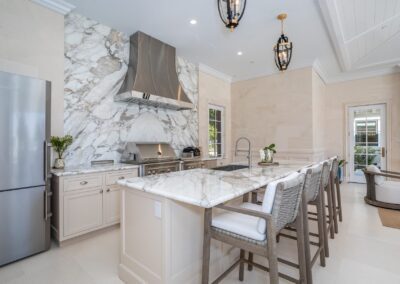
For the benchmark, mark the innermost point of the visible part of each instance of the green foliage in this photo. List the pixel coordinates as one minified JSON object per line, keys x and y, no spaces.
{"x":271,"y":147}
{"x":360,"y":155}
{"x":60,"y":144}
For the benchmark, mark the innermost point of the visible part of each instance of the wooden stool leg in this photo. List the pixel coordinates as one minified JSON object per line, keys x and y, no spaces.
{"x":250,"y":267}
{"x":272,"y":260}
{"x":324,"y":223}
{"x":241,"y":265}
{"x":206,"y":245}
{"x":320,"y":221}
{"x":339,"y":199}
{"x":253,"y":200}
{"x":335,"y":215}
{"x":330,"y":209}
{"x":301,"y":246}
{"x":306,"y":239}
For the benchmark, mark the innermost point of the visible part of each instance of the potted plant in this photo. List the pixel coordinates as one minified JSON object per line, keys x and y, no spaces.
{"x":269,"y":152}
{"x":60,"y":144}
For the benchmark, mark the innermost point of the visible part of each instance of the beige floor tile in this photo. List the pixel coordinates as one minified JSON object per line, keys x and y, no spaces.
{"x":364,"y":252}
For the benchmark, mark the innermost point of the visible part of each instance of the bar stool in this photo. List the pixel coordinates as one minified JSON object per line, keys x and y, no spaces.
{"x":327,"y":218}
{"x":313,"y":196}
{"x":254,"y":228}
{"x":336,"y":196}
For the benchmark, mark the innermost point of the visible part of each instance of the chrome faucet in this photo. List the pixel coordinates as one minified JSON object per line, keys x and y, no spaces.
{"x":248,"y":151}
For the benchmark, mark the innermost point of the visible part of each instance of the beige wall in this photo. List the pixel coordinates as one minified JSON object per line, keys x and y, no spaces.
{"x":318,"y":101}
{"x":276,"y":109}
{"x":32,"y":43}
{"x":213,"y":90}
{"x":307,"y":118}
{"x":382,"y":89}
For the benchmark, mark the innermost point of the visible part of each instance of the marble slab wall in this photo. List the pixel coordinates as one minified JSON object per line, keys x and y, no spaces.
{"x":96,"y":59}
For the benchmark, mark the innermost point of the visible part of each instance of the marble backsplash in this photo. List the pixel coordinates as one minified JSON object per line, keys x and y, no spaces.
{"x":96,"y":59}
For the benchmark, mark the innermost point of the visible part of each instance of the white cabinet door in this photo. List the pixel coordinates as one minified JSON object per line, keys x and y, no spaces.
{"x":83,"y":211}
{"x":112,"y":205}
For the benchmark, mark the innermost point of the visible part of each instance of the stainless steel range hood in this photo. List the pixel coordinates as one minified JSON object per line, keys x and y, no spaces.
{"x":151,"y":78}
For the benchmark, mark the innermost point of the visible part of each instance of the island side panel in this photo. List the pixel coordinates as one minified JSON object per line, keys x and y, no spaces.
{"x":184,"y":245}
{"x":166,"y":249}
{"x":141,"y":238}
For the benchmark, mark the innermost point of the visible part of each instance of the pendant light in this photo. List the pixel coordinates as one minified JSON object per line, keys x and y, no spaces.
{"x":283,"y":48}
{"x":231,"y":12}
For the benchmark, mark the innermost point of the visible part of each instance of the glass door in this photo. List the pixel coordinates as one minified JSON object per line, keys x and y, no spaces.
{"x":367,"y":139}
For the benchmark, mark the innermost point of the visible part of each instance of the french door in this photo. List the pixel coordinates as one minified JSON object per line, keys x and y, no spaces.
{"x":367,"y":139}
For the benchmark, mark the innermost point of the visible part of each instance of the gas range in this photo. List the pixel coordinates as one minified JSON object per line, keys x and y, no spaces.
{"x":157,"y":158}
{"x":152,"y":158}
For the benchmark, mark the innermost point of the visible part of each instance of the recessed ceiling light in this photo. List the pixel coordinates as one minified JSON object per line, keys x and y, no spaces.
{"x":193,"y":21}
{"x":239,"y":53}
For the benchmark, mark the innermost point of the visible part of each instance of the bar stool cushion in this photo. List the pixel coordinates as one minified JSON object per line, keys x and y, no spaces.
{"x":240,"y":224}
{"x":388,"y":192}
{"x":379,"y":180}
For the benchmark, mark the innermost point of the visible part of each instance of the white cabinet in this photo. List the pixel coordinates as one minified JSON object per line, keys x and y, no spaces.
{"x":83,"y":211}
{"x":83,"y":203}
{"x":112,"y":205}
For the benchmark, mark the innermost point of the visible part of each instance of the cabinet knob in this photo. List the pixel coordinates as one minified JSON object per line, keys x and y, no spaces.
{"x":108,"y":190}
{"x":121,"y":177}
{"x":101,"y":191}
{"x":83,"y":182}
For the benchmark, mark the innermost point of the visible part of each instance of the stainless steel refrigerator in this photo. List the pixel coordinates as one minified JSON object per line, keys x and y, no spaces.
{"x":24,"y":166}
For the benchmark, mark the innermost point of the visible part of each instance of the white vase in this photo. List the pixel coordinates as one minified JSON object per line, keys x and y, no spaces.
{"x":269,"y":156}
{"x":59,"y":163}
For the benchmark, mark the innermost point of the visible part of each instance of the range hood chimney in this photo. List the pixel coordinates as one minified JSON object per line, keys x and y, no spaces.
{"x":151,"y":78}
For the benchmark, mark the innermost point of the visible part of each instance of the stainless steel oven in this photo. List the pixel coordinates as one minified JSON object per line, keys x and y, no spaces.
{"x":159,"y":168}
{"x":192,"y":164}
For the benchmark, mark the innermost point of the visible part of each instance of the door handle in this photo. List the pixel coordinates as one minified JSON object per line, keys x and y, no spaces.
{"x":383,"y":152}
{"x":46,"y":174}
{"x":47,"y":194}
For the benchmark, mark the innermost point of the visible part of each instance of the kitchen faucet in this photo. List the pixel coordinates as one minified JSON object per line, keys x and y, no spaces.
{"x":248,"y":151}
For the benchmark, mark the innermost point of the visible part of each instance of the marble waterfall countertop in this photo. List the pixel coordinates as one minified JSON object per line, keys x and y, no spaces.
{"x":208,"y":188}
{"x":88,"y":169}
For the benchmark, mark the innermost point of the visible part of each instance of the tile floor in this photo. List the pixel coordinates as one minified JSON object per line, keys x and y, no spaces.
{"x":363,"y":252}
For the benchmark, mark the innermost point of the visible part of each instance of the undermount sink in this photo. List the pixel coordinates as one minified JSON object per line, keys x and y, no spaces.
{"x":229,"y":168}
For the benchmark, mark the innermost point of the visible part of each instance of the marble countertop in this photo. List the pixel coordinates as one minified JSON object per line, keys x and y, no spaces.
{"x":88,"y":169}
{"x":208,"y":188}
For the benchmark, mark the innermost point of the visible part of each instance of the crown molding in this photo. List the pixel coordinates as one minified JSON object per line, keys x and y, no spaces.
{"x":58,"y":6}
{"x":343,"y":77}
{"x":317,"y":67}
{"x":211,"y":71}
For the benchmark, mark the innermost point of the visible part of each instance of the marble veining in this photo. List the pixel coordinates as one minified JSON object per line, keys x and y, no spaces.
{"x":89,"y":169}
{"x":207,"y":188}
{"x":96,"y":58}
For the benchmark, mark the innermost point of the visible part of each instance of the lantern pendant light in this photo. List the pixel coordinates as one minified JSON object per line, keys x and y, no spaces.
{"x":283,"y":48}
{"x":231,"y":12}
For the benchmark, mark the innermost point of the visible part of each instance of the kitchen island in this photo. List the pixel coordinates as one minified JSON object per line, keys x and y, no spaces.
{"x":162,"y":221}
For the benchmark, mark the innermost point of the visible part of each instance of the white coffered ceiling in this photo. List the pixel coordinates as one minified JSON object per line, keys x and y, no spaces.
{"x":365,"y":33}
{"x":344,"y":39}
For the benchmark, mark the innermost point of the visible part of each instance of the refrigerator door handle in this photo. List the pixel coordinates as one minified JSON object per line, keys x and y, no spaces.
{"x":46,"y":169}
{"x":47,"y":214}
{"x":45,"y":161}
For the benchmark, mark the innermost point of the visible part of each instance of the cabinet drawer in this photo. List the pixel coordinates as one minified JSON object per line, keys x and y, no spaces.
{"x":82,"y":182}
{"x":112,"y":178}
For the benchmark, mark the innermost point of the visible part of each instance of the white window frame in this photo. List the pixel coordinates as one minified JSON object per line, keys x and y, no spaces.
{"x":222,"y":109}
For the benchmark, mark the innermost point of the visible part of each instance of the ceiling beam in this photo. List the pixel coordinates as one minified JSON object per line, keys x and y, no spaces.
{"x":330,"y":15}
